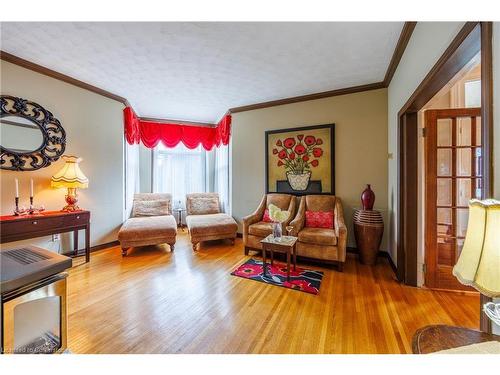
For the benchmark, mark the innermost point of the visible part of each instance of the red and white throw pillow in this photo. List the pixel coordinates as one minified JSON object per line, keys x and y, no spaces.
{"x":266,"y":218}
{"x":319,"y":219}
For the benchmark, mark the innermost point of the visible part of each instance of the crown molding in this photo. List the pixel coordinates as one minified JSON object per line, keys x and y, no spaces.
{"x":403,"y":40}
{"x":304,"y":98}
{"x":61,"y":77}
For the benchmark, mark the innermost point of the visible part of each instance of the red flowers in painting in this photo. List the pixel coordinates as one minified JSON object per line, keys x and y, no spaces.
{"x":310,"y":140}
{"x":317,"y":152}
{"x":299,"y":149}
{"x":296,"y":153}
{"x":289,"y":142}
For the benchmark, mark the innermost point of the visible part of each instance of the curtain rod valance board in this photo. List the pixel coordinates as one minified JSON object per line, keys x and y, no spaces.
{"x":170,"y":134}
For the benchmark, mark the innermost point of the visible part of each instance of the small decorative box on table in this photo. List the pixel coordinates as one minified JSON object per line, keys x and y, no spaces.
{"x":283,"y":244}
{"x":368,"y":231}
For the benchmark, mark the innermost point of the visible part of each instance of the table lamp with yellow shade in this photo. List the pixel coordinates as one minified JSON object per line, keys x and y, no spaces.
{"x":479,"y":263}
{"x":71,"y":177}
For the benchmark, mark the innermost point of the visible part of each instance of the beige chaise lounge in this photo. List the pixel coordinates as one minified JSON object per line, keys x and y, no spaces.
{"x":255,"y":229}
{"x":204,"y":220}
{"x":151,"y":223}
{"x":325,"y":244}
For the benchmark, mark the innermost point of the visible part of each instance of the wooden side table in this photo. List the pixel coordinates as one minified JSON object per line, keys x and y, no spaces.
{"x":179,"y":212}
{"x":368,"y":231}
{"x":435,"y":338}
{"x":285,"y":245}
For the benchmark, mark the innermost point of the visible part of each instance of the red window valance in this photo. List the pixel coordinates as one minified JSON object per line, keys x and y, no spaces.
{"x":170,"y":134}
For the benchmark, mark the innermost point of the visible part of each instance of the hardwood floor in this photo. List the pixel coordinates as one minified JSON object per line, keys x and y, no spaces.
{"x":154,"y":301}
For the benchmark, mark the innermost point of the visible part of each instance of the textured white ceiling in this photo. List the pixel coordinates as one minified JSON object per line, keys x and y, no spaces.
{"x":196,"y":71}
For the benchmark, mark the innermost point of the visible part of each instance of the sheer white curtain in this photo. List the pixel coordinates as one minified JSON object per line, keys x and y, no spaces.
{"x":131,"y":177}
{"x":221,"y":183}
{"x":178,"y":171}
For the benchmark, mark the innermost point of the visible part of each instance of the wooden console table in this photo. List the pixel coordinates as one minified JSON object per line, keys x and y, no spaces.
{"x":16,"y":228}
{"x":432,"y":339}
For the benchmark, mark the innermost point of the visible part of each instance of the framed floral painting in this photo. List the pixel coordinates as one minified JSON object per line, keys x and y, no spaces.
{"x":301,"y":160}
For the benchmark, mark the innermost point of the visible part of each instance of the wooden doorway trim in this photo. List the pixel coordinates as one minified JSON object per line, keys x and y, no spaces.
{"x":407,"y":198}
{"x":472,"y":38}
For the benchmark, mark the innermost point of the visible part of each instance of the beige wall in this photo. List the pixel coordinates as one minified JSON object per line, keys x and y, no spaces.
{"x":360,"y":148}
{"x":94,"y":129}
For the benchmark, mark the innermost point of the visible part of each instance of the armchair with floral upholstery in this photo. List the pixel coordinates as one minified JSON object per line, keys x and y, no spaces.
{"x":255,"y":228}
{"x":315,"y":241}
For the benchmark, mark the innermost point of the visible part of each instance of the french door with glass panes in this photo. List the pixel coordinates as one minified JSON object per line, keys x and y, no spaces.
{"x":453,"y":177}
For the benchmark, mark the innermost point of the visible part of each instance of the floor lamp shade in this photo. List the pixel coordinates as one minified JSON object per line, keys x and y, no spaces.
{"x":479,"y":263}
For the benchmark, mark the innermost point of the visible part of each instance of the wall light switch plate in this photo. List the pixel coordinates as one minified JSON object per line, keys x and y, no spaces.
{"x":56,"y":237}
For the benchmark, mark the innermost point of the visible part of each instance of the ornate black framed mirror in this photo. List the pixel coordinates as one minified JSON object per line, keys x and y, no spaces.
{"x":30,"y":136}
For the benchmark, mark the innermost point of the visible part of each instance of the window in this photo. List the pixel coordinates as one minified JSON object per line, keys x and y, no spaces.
{"x":472,"y":91}
{"x":222,"y":176}
{"x":178,"y":171}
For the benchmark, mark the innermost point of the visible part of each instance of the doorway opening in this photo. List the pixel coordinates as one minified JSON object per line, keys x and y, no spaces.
{"x":469,"y":53}
{"x":450,"y":174}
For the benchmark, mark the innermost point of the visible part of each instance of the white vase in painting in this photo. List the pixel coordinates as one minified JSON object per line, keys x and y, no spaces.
{"x":300,"y":181}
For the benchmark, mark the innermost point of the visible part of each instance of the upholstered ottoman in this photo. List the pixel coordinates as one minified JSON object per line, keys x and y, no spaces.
{"x":204,"y":220}
{"x":151,"y":223}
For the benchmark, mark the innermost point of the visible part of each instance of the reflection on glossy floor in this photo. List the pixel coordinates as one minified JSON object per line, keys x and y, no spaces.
{"x":154,"y":301}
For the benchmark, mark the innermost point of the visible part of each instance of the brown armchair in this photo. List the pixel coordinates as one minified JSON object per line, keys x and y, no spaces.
{"x":321,"y":243}
{"x":254,"y":229}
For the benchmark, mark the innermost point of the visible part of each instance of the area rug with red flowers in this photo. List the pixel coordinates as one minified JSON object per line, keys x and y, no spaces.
{"x":301,"y":279}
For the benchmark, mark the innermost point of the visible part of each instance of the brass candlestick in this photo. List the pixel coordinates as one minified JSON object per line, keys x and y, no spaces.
{"x":16,"y":210}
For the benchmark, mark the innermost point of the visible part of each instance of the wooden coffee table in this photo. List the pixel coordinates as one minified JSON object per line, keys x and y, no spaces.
{"x":435,"y":338}
{"x":286,"y":244}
